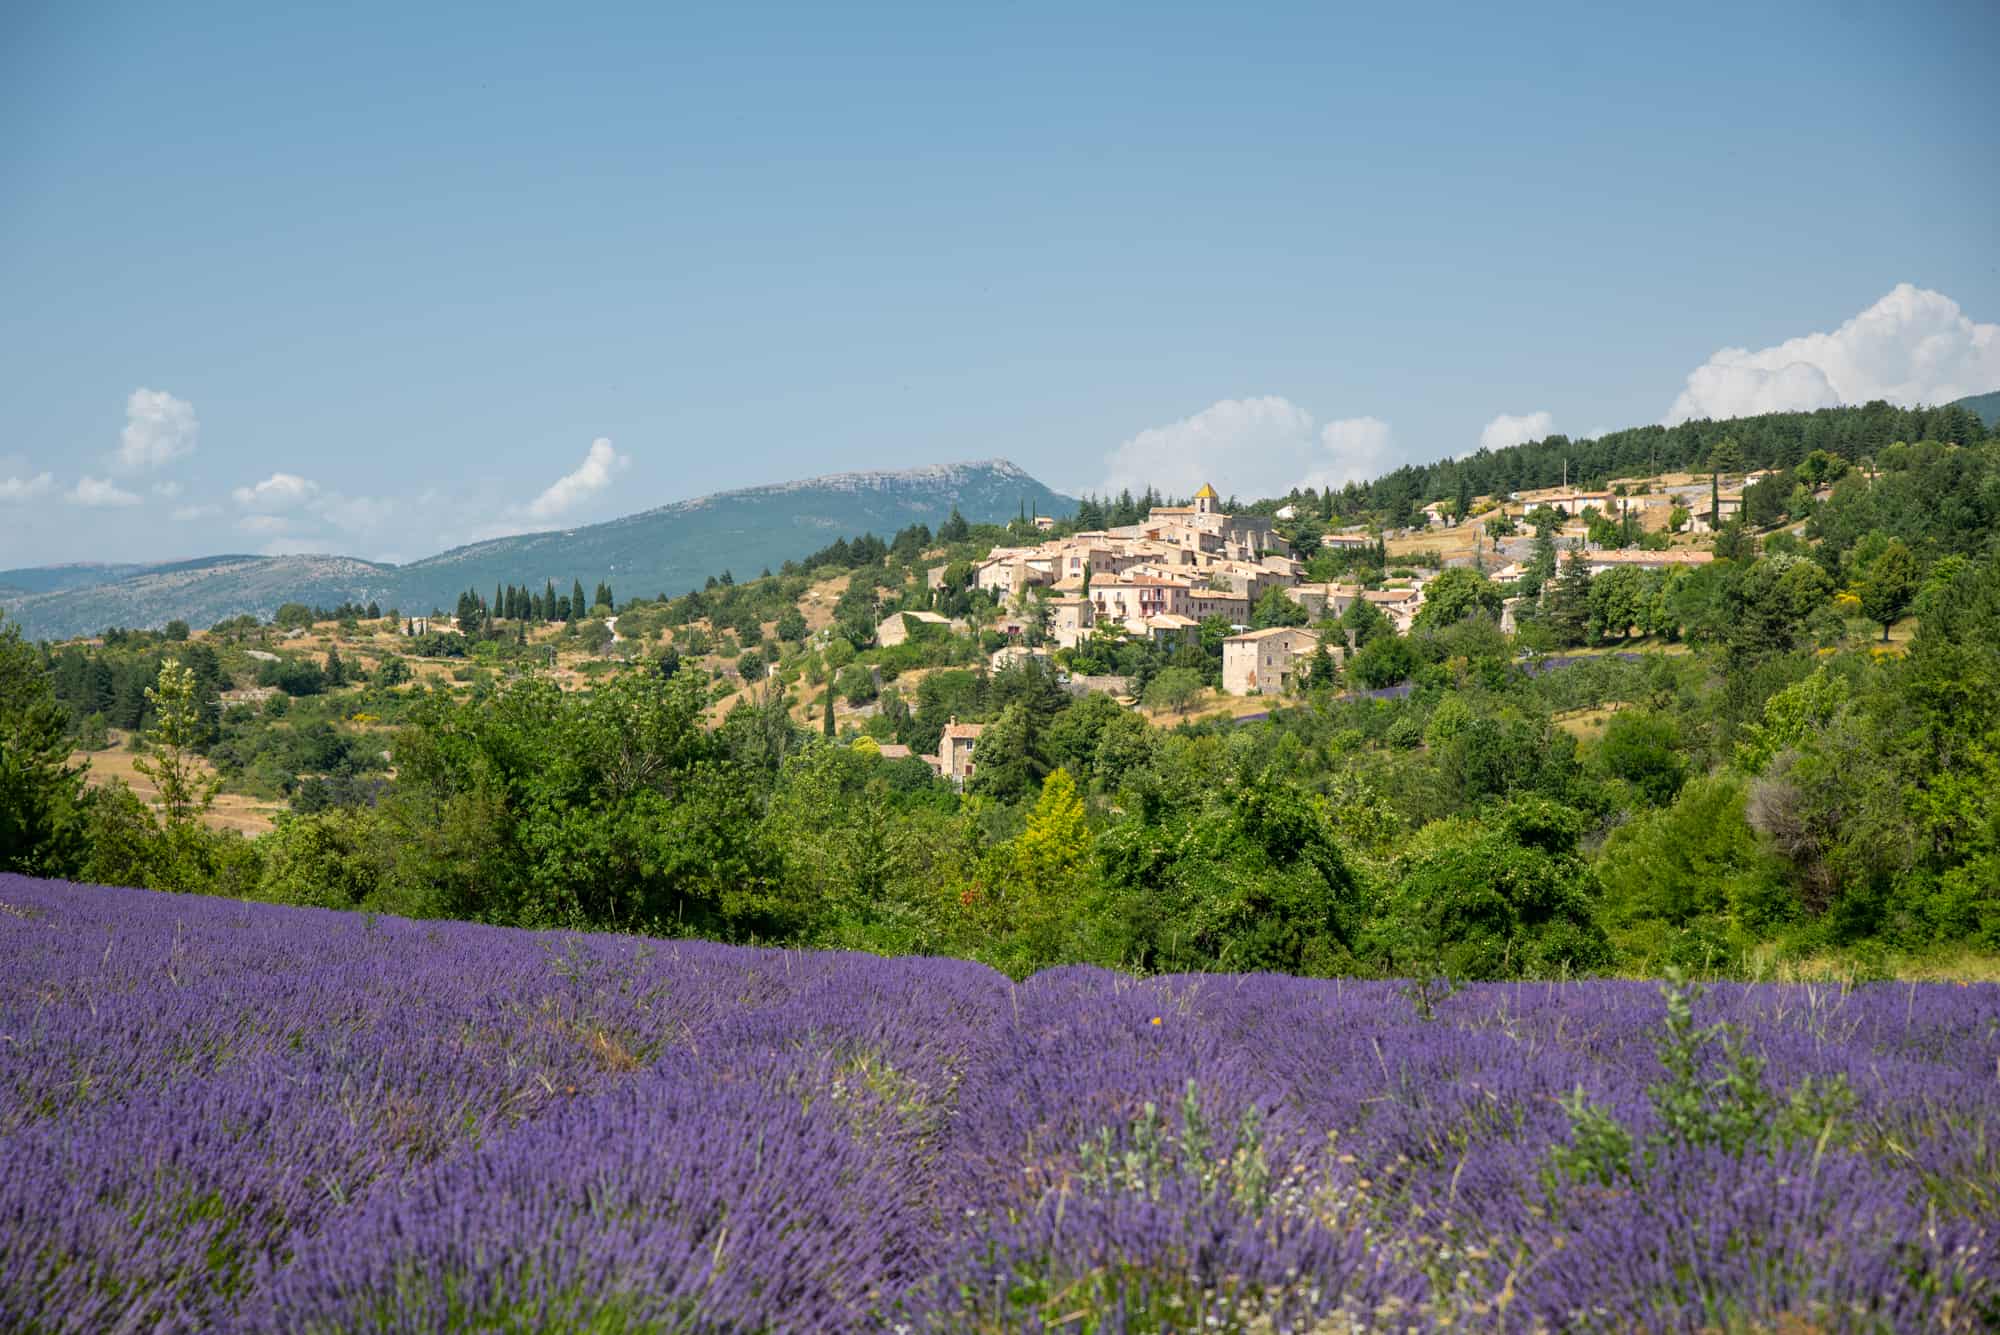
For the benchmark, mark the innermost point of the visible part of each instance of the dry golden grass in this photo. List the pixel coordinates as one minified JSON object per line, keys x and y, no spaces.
{"x":1587,"y":724}
{"x":1827,"y":966}
{"x":231,"y":811}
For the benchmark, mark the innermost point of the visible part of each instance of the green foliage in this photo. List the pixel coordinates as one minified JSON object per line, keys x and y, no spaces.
{"x":1247,"y":877}
{"x":1456,"y":594}
{"x":1383,"y":661}
{"x":1176,"y":689}
{"x":1503,"y":897}
{"x":41,"y":794}
{"x":1273,"y":608}
{"x":1689,"y":884}
{"x":1889,"y":585}
{"x":1644,"y":749}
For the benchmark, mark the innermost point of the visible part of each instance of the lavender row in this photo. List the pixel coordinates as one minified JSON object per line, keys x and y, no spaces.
{"x":217,"y":1115}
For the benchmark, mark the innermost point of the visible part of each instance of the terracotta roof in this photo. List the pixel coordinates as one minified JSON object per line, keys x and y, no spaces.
{"x":963,"y":731}
{"x":895,"y":751}
{"x":1269,"y":631}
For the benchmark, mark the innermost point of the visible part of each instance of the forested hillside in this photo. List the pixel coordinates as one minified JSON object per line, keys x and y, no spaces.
{"x":1775,"y":440}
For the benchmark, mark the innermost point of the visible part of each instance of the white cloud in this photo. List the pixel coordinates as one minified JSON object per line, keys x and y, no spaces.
{"x":159,"y":428}
{"x":183,"y":513}
{"x":1914,"y":346}
{"x":1507,"y":429}
{"x":1249,"y":447}
{"x":99,"y":492}
{"x":25,"y":488}
{"x":263,"y":523}
{"x":1353,"y":449}
{"x":166,"y":490}
{"x":572,"y":489}
{"x":280,"y":491}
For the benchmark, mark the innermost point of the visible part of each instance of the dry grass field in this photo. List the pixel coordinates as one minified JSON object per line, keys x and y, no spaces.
{"x":231,"y":811}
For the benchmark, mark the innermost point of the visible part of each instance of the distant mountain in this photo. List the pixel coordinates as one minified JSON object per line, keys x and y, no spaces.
{"x":52,"y":579}
{"x":1986,"y":405}
{"x":200,"y":592}
{"x":665,"y":550}
{"x":676,"y":547}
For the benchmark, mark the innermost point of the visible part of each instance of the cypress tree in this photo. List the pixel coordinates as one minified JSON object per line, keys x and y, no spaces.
{"x":549,"y":602}
{"x":826,"y":723}
{"x":577,"y":607}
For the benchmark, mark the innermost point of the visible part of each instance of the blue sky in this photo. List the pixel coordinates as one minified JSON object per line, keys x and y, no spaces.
{"x":380,"y":279}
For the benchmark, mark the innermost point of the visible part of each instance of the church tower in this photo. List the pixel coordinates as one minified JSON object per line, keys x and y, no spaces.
{"x":1204,"y":500}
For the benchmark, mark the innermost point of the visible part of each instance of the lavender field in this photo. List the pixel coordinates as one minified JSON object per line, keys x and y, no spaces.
{"x":224,"y":1116}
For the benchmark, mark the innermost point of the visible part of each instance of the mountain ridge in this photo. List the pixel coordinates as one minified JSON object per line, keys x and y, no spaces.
{"x":658,"y":549}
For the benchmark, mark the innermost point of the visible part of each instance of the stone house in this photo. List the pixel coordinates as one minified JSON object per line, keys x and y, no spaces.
{"x":1266,"y":662}
{"x":955,"y":749}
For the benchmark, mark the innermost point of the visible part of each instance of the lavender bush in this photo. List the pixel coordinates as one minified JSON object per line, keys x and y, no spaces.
{"x":222,"y":1116}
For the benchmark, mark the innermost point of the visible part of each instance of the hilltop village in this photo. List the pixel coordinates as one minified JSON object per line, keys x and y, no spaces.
{"x":1648,"y":713}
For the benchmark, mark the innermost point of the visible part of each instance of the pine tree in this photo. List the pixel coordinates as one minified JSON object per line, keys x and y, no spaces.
{"x":1568,"y":601}
{"x":1464,"y":502}
{"x":336,"y":671}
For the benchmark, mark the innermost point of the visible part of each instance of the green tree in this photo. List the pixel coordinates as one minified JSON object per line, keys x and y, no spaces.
{"x":293,"y":616}
{"x":41,"y":794}
{"x":1890,"y":585}
{"x":1504,"y":897}
{"x":1455,"y":594}
{"x":1366,"y":621}
{"x":336,"y":671}
{"x":1726,"y":457}
{"x":1566,"y":602}
{"x":1275,"y":609}
{"x":1175,"y":689}
{"x":954,"y":528}
{"x":1010,"y":761}
{"x":1323,"y":673}
{"x":1617,"y":602}
{"x":1383,"y":662}
{"x":1645,"y":750}
{"x":1049,"y":862}
{"x":186,"y":791}
{"x":826,"y":725}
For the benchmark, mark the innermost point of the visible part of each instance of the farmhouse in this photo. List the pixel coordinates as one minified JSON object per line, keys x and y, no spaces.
{"x":954,"y":758}
{"x":1265,"y":662}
